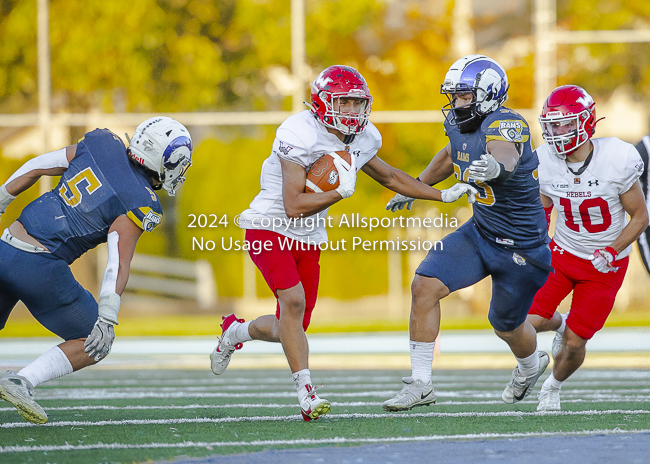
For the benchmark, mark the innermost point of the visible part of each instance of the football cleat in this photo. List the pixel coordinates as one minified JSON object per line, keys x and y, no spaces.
{"x":557,"y":340}
{"x":519,"y":386}
{"x":414,"y":393}
{"x":312,"y":407}
{"x":220,"y":357}
{"x":19,"y":391}
{"x":549,"y":399}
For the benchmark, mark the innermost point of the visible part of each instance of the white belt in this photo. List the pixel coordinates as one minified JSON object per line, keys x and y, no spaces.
{"x":19,"y":244}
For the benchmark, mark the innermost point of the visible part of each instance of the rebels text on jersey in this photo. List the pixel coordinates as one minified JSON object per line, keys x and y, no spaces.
{"x":590,"y":213}
{"x":301,"y":139}
{"x":99,"y":185}
{"x":509,"y":213}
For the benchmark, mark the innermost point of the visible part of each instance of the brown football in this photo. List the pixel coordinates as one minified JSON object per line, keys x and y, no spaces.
{"x":322,"y":175}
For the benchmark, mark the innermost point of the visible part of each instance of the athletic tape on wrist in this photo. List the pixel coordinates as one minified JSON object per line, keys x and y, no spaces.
{"x":5,"y":198}
{"x":109,"y":307}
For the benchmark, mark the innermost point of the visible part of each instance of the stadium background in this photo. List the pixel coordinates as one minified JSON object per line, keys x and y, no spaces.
{"x":233,"y":70}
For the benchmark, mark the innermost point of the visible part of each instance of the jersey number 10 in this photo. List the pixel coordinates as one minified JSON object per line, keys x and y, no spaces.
{"x":585,"y":216}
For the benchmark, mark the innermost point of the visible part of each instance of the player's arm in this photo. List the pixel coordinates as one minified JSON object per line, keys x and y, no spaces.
{"x":440,"y":167}
{"x":49,"y":164}
{"x":297,"y":203}
{"x":398,"y":181}
{"x":498,"y":164}
{"x":408,"y":189}
{"x":633,"y":203}
{"x":122,"y":238}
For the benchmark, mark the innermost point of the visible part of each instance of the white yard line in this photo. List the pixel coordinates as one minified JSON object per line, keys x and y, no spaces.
{"x":351,"y":404}
{"x":220,"y":420}
{"x":170,"y":393}
{"x":321,"y":441}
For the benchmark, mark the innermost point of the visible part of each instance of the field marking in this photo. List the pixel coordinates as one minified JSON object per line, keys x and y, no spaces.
{"x":330,"y":386}
{"x":220,"y":420}
{"x":321,"y":441}
{"x":342,"y":404}
{"x":114,"y":394}
{"x":438,"y":376}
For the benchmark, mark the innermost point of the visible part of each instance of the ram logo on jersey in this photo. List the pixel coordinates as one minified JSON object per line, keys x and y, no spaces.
{"x":150,"y":219}
{"x":511,"y":131}
{"x":518,"y":259}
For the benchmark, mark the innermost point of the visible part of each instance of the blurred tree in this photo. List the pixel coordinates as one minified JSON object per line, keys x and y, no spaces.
{"x":601,"y":68}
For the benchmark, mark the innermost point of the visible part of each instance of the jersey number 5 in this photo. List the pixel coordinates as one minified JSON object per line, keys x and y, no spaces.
{"x":72,"y":190}
{"x":585,"y":216}
{"x":485,"y":195}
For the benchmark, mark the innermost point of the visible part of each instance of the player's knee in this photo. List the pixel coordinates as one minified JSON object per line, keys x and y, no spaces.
{"x":292,"y":305}
{"x":428,"y":288}
{"x":573,"y":345}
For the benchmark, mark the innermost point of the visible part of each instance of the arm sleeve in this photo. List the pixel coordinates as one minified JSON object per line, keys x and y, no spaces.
{"x":53,"y":159}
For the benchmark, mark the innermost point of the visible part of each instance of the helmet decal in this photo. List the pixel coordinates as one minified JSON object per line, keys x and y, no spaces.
{"x":485,"y":79}
{"x":164,"y":147}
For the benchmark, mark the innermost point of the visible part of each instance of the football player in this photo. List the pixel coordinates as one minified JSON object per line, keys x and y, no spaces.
{"x":593,"y":184}
{"x":644,"y":239}
{"x":106,"y":194}
{"x":489,"y":148}
{"x":337,"y":119}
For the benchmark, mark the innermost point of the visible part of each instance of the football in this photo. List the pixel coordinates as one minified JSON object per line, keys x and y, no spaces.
{"x":322,"y":175}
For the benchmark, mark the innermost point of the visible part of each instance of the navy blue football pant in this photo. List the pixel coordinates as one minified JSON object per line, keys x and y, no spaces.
{"x":49,"y":290}
{"x":466,"y":258}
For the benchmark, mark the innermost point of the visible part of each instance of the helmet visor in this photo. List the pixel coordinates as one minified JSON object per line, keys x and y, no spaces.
{"x":349,"y":113}
{"x":562,"y":133}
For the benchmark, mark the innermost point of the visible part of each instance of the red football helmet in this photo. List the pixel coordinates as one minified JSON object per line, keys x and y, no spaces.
{"x":568,"y":119}
{"x":333,"y":84}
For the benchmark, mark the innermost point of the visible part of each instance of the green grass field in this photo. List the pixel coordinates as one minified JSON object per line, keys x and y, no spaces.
{"x":101,"y":415}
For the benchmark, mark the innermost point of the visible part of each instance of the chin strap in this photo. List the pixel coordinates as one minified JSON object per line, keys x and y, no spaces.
{"x":348,"y":139}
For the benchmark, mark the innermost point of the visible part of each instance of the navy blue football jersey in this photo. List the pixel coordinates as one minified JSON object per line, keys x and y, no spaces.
{"x":100,"y":185}
{"x":509,"y":212}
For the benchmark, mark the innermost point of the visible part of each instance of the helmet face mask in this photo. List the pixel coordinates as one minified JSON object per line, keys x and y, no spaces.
{"x":340,"y":99}
{"x":568,"y":119}
{"x":485,"y":79}
{"x":163,"y":147}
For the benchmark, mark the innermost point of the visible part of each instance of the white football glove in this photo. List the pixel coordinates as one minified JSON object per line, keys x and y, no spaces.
{"x":603,"y":259}
{"x":99,"y":342}
{"x":5,"y":198}
{"x":398,"y":202}
{"x":487,"y":168}
{"x":347,"y":175}
{"x":458,"y":190}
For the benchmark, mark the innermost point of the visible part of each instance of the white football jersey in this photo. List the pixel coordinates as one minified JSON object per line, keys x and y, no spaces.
{"x":301,"y":139}
{"x":590,"y":214}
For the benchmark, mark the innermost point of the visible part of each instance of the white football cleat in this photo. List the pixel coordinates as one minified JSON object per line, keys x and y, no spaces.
{"x":312,"y":407}
{"x":19,"y":391}
{"x":519,"y":386}
{"x":557,"y":340}
{"x":220,"y":357}
{"x":414,"y":393}
{"x":549,"y":400}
